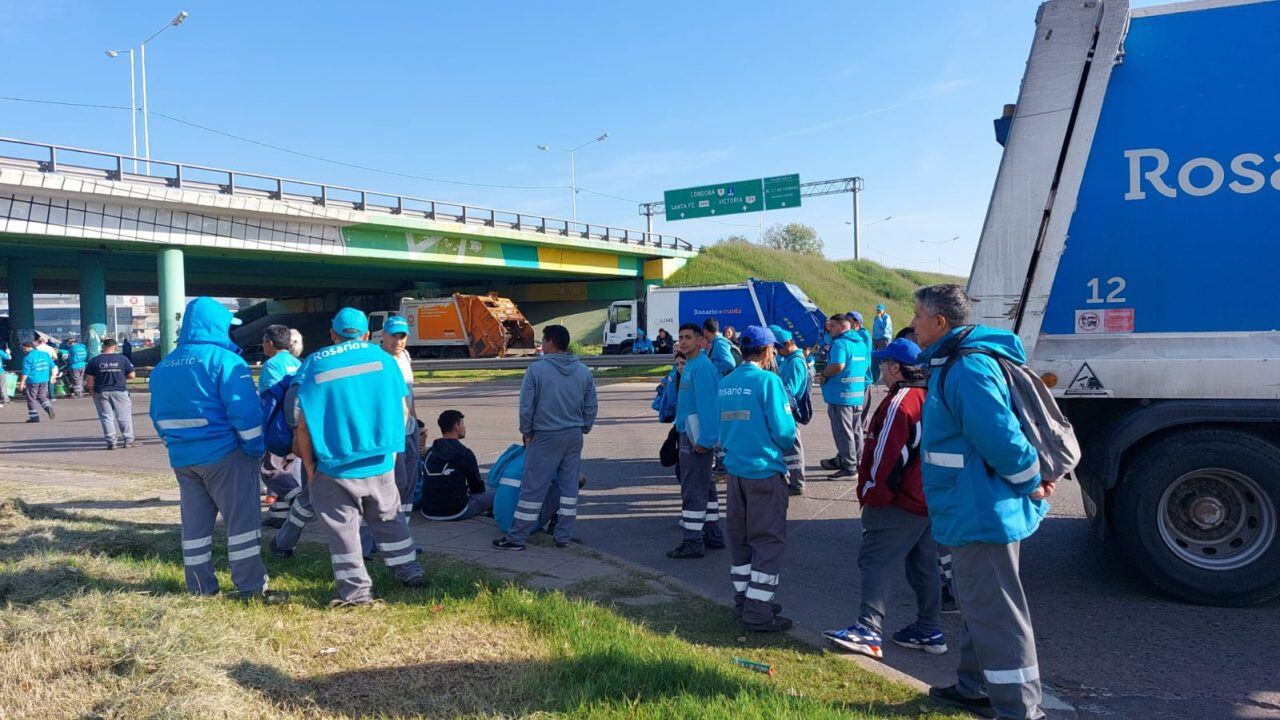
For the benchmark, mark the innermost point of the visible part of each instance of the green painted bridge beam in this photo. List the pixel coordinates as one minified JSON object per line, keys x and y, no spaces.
{"x":93,"y":291}
{"x":22,"y":303}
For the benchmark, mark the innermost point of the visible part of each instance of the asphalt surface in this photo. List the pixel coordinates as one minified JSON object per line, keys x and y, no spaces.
{"x":1110,"y":646}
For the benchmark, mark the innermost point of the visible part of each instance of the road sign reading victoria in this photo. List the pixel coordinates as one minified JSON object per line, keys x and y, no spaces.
{"x":771,"y":193}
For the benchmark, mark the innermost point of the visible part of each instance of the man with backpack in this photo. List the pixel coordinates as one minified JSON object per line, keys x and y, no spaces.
{"x":895,"y":519}
{"x":982,"y":481}
{"x":794,"y":371}
{"x":277,"y":470}
{"x":721,"y":351}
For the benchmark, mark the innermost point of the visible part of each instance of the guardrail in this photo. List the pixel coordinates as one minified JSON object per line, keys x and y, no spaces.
{"x":519,"y":363}
{"x":53,"y":159}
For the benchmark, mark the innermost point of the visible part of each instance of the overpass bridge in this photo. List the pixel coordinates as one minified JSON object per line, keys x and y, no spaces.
{"x":77,"y":220}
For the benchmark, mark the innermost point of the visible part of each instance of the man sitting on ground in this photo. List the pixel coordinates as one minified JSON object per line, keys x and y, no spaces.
{"x":453,"y":488}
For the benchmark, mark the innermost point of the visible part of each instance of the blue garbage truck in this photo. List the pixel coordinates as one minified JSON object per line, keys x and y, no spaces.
{"x":1130,"y":242}
{"x":754,"y":302}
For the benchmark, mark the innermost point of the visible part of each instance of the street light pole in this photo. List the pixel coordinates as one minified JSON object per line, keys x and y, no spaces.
{"x":857,"y":219}
{"x":573,"y":168}
{"x":146,"y":126}
{"x":133,"y":105}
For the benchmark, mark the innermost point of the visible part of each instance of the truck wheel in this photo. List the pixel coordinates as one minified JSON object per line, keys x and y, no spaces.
{"x":1197,"y":513}
{"x":456,"y":353}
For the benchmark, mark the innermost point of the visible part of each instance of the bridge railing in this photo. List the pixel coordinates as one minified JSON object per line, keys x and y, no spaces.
{"x":126,"y":168}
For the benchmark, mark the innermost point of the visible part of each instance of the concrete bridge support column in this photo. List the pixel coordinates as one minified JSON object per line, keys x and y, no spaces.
{"x":173,"y":296}
{"x":93,"y":300}
{"x":22,"y":306}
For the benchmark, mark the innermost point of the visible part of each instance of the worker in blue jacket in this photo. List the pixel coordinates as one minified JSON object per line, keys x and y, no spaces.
{"x":351,"y":419}
{"x":844,"y":386}
{"x":5,"y":357}
{"x":698,"y":423}
{"x":757,"y":430}
{"x":793,"y":370}
{"x":873,"y":369}
{"x":721,"y":351}
{"x":34,"y":379}
{"x":206,"y":410}
{"x":278,"y":473}
{"x":77,"y":359}
{"x":881,"y":328}
{"x":985,"y":495}
{"x":642,"y":345}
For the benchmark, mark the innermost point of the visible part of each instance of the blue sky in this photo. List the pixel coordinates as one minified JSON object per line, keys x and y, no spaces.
{"x":900,"y":93}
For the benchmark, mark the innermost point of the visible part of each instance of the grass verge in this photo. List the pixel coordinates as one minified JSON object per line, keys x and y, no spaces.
{"x":96,"y":624}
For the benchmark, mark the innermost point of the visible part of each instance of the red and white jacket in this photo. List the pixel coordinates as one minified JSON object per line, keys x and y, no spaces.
{"x":889,"y":473}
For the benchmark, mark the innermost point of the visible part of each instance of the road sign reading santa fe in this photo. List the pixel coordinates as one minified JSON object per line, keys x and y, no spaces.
{"x":732,"y":198}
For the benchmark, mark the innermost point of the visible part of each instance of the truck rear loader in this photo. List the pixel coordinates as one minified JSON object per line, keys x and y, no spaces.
{"x":461,"y":326}
{"x":1130,"y":242}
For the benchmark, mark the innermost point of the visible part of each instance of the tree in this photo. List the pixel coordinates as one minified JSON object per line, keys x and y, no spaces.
{"x":793,"y":237}
{"x":732,"y":240}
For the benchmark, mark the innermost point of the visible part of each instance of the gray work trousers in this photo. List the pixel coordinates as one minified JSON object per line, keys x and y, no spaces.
{"x":407,"y":470}
{"x":549,"y":454}
{"x":795,"y":464}
{"x":278,"y":475}
{"x":997,"y":642}
{"x":4,"y":385}
{"x":340,"y":503}
{"x":891,"y":535}
{"x":699,"y":502}
{"x":846,"y":429}
{"x":228,"y":486}
{"x":476,"y":504}
{"x":75,"y":382}
{"x":115,"y":412}
{"x":757,"y":523}
{"x":301,"y":513}
{"x":37,"y":397}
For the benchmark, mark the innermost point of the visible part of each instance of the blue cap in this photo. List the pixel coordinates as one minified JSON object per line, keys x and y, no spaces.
{"x":855,"y":315}
{"x":901,"y":350}
{"x":880,"y":307}
{"x":350,"y":323}
{"x":756,"y":336}
{"x":782,"y":336}
{"x":396,"y":324}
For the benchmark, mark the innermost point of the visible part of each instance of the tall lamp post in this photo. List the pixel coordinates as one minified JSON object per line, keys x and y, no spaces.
{"x":573,"y":169}
{"x":146,"y":127}
{"x":133,"y":106}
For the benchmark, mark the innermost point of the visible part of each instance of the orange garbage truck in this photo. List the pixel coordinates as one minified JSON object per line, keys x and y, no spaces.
{"x":460,"y":326}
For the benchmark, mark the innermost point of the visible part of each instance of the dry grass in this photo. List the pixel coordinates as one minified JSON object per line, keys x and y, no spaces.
{"x":95,"y":623}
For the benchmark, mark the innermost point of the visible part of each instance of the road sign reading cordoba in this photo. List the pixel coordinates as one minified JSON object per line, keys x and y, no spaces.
{"x":707,"y":200}
{"x":732,"y":198}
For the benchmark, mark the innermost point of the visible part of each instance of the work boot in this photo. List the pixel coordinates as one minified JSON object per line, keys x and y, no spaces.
{"x":841,"y":475}
{"x":416,"y":583}
{"x":775,"y":624}
{"x":686,"y":551}
{"x":830,"y":464}
{"x":504,"y":544}
{"x":710,"y":544}
{"x":951,"y":697}
{"x":281,"y":553}
{"x":111,"y":445}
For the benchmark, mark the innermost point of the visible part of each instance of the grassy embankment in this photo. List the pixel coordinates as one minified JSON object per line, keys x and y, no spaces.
{"x":96,"y":623}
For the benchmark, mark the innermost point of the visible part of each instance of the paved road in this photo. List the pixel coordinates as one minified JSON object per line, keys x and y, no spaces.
{"x":1110,"y":646}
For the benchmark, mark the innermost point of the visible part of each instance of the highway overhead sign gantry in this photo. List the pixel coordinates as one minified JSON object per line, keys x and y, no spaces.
{"x":771,"y":193}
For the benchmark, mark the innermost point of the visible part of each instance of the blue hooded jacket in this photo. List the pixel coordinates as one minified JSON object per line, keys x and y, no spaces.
{"x":203,"y":402}
{"x":664,"y":401}
{"x":849,"y":386}
{"x":978,"y":467}
{"x":642,"y":345}
{"x":79,"y":356}
{"x":756,"y":425}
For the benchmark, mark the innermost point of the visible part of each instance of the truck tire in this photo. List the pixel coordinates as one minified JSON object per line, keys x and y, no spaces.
{"x":456,"y":353}
{"x":1197,"y":513}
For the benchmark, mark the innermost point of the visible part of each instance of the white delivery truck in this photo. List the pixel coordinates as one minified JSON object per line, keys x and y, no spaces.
{"x":754,"y":302}
{"x":1131,"y":243}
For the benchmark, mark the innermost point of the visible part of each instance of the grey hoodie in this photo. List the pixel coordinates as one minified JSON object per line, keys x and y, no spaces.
{"x":558,"y":393}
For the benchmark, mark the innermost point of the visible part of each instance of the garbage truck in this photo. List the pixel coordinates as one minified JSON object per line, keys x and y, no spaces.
{"x":1130,"y":243}
{"x":754,"y":302}
{"x":460,"y":326}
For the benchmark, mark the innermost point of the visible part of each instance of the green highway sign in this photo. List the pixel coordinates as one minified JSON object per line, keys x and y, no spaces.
{"x":782,"y":191}
{"x":733,"y":198}
{"x":707,"y":200}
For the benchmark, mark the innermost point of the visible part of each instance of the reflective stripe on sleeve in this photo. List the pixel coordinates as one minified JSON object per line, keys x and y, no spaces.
{"x":510,"y":482}
{"x":1025,"y":475}
{"x":250,"y":434}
